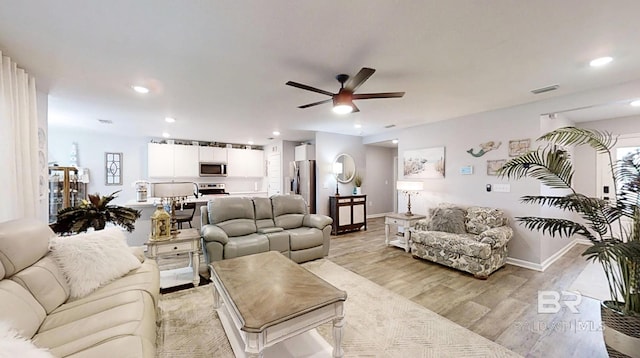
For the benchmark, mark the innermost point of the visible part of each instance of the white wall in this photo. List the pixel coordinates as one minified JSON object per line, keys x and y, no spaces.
{"x":42,"y":103}
{"x":328,"y":146}
{"x":91,"y":150}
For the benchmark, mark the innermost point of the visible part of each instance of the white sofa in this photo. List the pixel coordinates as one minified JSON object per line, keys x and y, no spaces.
{"x":116,"y":320}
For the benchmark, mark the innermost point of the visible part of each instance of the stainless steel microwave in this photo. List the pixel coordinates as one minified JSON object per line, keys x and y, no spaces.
{"x":213,"y":169}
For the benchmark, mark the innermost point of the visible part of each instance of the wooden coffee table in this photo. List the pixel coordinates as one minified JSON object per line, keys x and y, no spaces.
{"x":265,"y":299}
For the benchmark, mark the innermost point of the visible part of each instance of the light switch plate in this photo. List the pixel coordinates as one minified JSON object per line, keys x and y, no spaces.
{"x":502,"y":188}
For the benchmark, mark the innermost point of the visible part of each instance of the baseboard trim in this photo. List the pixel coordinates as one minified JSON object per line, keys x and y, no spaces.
{"x":525,"y":264}
{"x":548,"y":262}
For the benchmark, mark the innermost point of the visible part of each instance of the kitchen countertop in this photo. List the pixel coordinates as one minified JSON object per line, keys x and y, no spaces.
{"x":202,"y":199}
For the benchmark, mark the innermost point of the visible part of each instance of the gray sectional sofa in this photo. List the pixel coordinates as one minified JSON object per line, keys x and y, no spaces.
{"x":239,"y":226}
{"x":116,"y":320}
{"x":470,"y":239}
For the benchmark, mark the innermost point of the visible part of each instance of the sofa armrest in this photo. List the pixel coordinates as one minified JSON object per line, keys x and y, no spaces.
{"x":214,"y":233}
{"x":318,"y":221}
{"x":204,"y":216}
{"x":497,"y":236}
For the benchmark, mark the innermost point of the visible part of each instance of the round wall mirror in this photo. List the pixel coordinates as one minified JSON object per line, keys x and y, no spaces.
{"x":344,"y":168}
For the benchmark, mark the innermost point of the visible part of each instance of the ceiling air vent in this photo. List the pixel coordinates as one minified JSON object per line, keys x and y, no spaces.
{"x":545,"y":89}
{"x":390,"y":126}
{"x":105,"y":121}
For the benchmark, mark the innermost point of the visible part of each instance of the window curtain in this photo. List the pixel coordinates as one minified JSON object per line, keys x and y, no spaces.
{"x":18,"y":143}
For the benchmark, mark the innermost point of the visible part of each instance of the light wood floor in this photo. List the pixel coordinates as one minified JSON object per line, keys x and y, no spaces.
{"x":502,"y":308}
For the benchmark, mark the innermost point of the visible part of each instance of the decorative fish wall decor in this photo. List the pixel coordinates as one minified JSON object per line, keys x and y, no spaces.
{"x":484,"y":148}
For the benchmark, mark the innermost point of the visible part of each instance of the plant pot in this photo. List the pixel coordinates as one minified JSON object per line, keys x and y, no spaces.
{"x":358,"y":190}
{"x":621,"y":332}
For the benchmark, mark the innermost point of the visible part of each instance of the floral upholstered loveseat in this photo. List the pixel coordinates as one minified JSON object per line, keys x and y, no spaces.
{"x":470,"y":239}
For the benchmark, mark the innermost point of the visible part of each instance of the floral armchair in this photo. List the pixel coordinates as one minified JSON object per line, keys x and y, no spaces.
{"x":472,"y":239}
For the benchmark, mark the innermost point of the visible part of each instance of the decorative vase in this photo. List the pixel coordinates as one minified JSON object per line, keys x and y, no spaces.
{"x":358,"y":190}
{"x":160,"y":225}
{"x":621,"y":332}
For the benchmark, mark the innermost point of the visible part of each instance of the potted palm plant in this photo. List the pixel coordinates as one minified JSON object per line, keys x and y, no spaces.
{"x":611,"y":226}
{"x":357,"y":181}
{"x":96,"y":213}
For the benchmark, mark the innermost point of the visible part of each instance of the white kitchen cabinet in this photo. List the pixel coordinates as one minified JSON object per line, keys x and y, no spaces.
{"x":213,"y":154}
{"x":185,"y":161}
{"x":160,"y":160}
{"x":245,"y":163}
{"x":172,"y":161}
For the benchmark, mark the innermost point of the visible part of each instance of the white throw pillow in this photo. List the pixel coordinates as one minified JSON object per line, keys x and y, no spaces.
{"x":13,"y":345}
{"x":93,"y":259}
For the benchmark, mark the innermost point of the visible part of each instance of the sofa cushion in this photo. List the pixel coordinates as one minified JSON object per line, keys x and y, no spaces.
{"x":123,"y":346}
{"x":264,"y":213}
{"x":20,"y":309}
{"x":246,"y":245}
{"x":22,"y":243}
{"x":305,"y":237}
{"x":463,"y":244}
{"x":93,"y":259}
{"x":14,"y":345}
{"x":45,"y":282}
{"x":288,"y":210}
{"x":448,"y":219}
{"x":93,"y":321}
{"x":480,"y":219}
{"x":235,"y":215}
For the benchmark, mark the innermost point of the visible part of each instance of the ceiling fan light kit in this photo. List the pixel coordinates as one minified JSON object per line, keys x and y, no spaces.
{"x":343,"y":100}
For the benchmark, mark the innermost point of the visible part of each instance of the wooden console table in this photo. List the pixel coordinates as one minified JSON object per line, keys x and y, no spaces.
{"x":400,"y":220}
{"x":349,"y":213}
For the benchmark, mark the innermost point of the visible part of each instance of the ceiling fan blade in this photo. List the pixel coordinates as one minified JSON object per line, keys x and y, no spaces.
{"x":354,"y":82}
{"x":315,"y":103}
{"x":378,"y":95}
{"x":355,"y":108}
{"x":308,"y":88}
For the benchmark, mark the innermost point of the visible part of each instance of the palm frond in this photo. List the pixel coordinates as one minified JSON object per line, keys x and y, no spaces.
{"x":549,"y":165}
{"x":556,"y":227}
{"x":601,"y":141}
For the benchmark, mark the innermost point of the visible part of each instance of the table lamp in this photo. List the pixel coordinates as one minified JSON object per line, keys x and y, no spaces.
{"x":337,"y":170}
{"x":408,"y":187}
{"x":173,"y":193}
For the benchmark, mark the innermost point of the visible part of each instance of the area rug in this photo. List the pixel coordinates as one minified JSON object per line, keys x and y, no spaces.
{"x":379,"y":323}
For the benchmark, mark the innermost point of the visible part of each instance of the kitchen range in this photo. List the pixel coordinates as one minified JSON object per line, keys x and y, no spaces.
{"x":211,"y":190}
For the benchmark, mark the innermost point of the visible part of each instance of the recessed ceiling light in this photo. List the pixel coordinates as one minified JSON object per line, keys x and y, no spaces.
{"x":276,"y":133}
{"x":165,"y":134}
{"x":395,"y":141}
{"x":250,"y":142}
{"x":357,"y":125}
{"x":169,"y":119}
{"x":601,"y":61}
{"x":635,"y":103}
{"x":140,"y":89}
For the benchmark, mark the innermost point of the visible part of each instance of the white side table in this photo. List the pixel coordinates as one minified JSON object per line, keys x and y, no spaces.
{"x":187,"y":241}
{"x":400,"y":220}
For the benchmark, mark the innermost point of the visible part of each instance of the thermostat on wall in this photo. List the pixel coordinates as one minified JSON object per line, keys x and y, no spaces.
{"x":467,"y":170}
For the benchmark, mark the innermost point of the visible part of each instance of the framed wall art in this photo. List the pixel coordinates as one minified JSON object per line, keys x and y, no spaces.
{"x":518,"y":147}
{"x":494,"y":165}
{"x":425,"y":163}
{"x":113,"y":166}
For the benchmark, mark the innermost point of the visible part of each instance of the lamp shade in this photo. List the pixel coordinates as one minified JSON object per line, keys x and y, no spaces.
{"x":337,"y":168}
{"x":172,"y":190}
{"x":404,"y":185}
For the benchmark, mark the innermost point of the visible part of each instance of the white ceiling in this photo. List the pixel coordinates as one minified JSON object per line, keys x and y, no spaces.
{"x":220,"y":67}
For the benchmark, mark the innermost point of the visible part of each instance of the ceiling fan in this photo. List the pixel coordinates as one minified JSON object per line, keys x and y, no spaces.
{"x":343,"y":100}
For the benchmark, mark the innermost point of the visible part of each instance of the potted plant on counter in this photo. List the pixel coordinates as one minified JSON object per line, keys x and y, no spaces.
{"x":612,"y":226}
{"x":96,"y":213}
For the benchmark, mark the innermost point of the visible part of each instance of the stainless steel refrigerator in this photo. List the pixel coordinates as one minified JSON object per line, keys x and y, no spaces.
{"x":303,"y":181}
